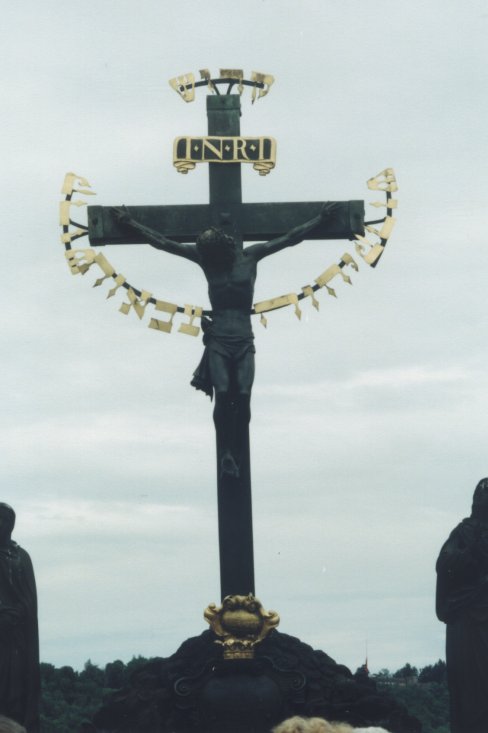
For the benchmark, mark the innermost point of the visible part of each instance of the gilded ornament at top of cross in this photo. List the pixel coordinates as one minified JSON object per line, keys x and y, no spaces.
{"x":185,"y":84}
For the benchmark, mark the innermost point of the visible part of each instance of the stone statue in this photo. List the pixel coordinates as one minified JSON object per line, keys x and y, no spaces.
{"x":19,"y":641}
{"x":462,"y":604}
{"x":227,"y":365}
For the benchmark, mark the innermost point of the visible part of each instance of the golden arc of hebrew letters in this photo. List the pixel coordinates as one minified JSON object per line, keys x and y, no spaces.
{"x":369,"y":250}
{"x":80,"y":261}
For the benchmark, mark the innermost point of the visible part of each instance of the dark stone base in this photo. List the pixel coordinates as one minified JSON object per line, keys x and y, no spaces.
{"x":196,"y":691}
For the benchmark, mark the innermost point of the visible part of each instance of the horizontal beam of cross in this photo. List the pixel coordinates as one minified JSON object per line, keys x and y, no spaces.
{"x":247,"y":222}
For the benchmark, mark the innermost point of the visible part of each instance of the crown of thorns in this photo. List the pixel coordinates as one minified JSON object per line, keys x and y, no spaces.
{"x":214,"y":235}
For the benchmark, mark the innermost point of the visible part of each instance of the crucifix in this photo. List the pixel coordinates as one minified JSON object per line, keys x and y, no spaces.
{"x":212,"y":236}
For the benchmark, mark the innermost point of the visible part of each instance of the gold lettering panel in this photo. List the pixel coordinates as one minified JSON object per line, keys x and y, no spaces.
{"x":205,"y":75}
{"x":259,"y":151}
{"x":71,"y":180}
{"x":265,"y":79}
{"x":164,"y":307}
{"x":328,"y":274}
{"x":180,"y":84}
{"x":138,"y":303}
{"x":308,"y":292}
{"x":384,"y":181}
{"x":68,"y":236}
{"x":233,"y":74}
{"x":389,"y":203}
{"x":106,"y":268}
{"x":371,"y":254}
{"x":64,"y":211}
{"x":119,"y":281}
{"x":280,"y":302}
{"x":188,"y":328}
{"x":80,"y":260}
{"x":386,"y":229}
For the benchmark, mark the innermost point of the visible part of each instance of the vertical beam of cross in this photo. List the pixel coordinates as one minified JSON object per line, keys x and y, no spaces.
{"x":223,"y":114}
{"x":233,"y":494}
{"x":244,"y":222}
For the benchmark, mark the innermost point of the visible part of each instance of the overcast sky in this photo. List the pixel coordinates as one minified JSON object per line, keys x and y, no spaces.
{"x":369,"y":417}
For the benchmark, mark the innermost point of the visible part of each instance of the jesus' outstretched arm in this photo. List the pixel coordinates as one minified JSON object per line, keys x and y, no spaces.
{"x":294,"y":236}
{"x":156,"y":239}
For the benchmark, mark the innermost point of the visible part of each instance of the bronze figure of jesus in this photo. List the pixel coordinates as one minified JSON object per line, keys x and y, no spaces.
{"x":226,"y":369}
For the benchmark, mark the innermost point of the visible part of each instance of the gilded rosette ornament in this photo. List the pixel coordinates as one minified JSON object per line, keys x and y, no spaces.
{"x":242,"y":623}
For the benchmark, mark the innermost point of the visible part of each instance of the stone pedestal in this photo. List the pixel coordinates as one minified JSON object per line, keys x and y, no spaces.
{"x":197,"y":691}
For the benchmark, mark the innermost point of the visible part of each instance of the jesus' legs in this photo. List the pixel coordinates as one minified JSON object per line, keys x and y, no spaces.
{"x":224,"y":419}
{"x":232,"y":414}
{"x":232,"y":384}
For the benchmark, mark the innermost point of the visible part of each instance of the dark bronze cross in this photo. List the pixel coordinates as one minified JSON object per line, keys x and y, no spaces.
{"x":245,"y":223}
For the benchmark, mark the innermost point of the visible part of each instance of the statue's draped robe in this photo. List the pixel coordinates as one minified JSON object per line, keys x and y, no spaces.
{"x":462,"y":603}
{"x":19,"y":640}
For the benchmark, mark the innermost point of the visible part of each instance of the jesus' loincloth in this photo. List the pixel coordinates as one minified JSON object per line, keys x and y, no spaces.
{"x":228,"y":335}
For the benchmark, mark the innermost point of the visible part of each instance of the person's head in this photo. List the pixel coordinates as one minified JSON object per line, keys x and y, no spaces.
{"x":10,"y":726}
{"x":480,"y":500}
{"x":216,"y":248}
{"x":319,"y":725}
{"x":7,"y":524}
{"x":292,"y":725}
{"x":310,"y":725}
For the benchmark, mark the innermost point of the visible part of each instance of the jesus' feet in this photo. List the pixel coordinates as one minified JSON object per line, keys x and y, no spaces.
{"x":228,"y":466}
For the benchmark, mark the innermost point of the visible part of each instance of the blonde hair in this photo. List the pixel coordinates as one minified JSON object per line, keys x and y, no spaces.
{"x":10,"y":726}
{"x":292,"y":725}
{"x":311,"y":725}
